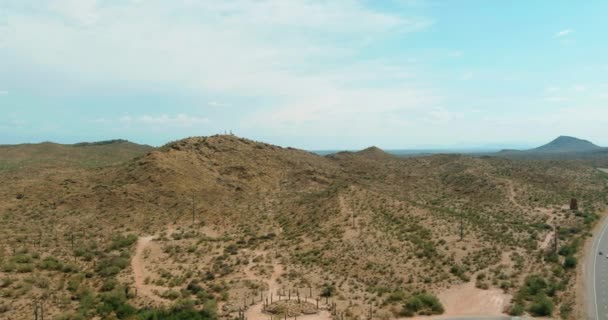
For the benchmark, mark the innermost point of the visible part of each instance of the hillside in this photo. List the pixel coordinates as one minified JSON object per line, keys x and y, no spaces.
{"x":223,"y":221}
{"x":79,"y":155}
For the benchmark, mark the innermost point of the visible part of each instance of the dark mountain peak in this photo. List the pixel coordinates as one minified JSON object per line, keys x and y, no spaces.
{"x":567,"y":144}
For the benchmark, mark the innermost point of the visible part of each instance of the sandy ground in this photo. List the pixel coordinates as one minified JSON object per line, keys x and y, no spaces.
{"x":465,"y":301}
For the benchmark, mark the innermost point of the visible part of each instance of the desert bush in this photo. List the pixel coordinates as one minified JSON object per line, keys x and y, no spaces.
{"x":423,"y":303}
{"x":25,"y":268}
{"x":460,"y":272}
{"x":231,"y":249}
{"x":122,"y":241}
{"x":170,"y":294}
{"x":50,"y":263}
{"x":108,"y":285}
{"x":328,"y":290}
{"x":517,"y":309}
{"x":111,"y":266}
{"x":74,"y":282}
{"x":570,"y":262}
{"x":4,"y":308}
{"x":565,"y":310}
{"x":541,"y":307}
{"x":395,"y":296}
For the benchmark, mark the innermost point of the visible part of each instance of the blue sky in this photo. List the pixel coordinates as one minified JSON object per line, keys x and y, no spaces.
{"x":342,"y":74}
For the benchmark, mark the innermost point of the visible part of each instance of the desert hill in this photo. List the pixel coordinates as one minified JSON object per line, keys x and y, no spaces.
{"x":563,"y":148}
{"x":567,"y":144}
{"x":562,"y":144}
{"x":79,"y":155}
{"x":365,"y":228}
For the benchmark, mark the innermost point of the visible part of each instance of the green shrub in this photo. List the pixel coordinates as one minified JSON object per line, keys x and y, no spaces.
{"x":423,"y":303}
{"x":541,"y":307}
{"x":122,"y":241}
{"x":395,"y":296}
{"x":231,"y":249}
{"x":460,"y":272}
{"x":565,"y":310}
{"x":533,"y":285}
{"x":21,"y":258}
{"x":517,"y":309}
{"x":111,"y":266}
{"x":328,"y":290}
{"x":171,"y":294}
{"x":74,"y":282}
{"x":570,"y":262}
{"x":8,"y":267}
{"x":108,"y":285}
{"x":69,"y":268}
{"x":50,"y":263}
{"x":25,"y":268}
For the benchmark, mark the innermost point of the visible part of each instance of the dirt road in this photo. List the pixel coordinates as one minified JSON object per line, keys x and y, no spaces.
{"x":139,"y":272}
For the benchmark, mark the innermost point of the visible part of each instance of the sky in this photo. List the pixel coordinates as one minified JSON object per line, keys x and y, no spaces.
{"x":339,"y":74}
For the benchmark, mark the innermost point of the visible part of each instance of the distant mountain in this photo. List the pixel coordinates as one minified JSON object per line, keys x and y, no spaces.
{"x":373,"y":153}
{"x":79,"y":155}
{"x":567,"y":144}
{"x":562,"y":144}
{"x":562,"y":148}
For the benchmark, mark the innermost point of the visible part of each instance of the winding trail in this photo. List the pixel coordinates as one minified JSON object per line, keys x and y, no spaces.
{"x":549,"y":238}
{"x":139,"y":272}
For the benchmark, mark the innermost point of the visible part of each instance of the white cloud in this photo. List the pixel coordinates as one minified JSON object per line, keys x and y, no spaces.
{"x":300,"y":58}
{"x":466,"y":76}
{"x":441,"y":115}
{"x":243,"y":46}
{"x":455,"y":54}
{"x":345,"y":112}
{"x":555,"y":99}
{"x":216,"y":104}
{"x":83,"y":12}
{"x":563,"y":33}
{"x":3,"y":92}
{"x":579,"y":88}
{"x":179,"y":120}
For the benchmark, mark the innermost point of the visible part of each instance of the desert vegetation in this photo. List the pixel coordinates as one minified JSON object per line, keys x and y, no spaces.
{"x":217,"y":227}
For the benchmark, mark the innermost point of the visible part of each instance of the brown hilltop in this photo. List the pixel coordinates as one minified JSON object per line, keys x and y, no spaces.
{"x":373,"y":153}
{"x":368,"y":153}
{"x":226,"y":162}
